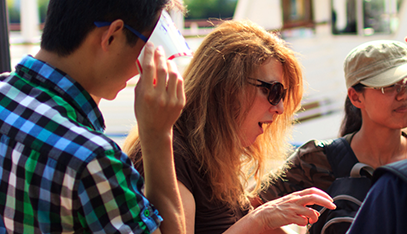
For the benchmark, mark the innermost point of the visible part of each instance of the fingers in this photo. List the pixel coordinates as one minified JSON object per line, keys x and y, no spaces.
{"x":175,"y":83}
{"x":147,"y":78}
{"x":313,"y":191}
{"x":272,"y":215}
{"x":302,"y":220}
{"x":310,"y":196}
{"x":159,"y":93}
{"x":303,"y":215}
{"x":162,"y":70}
{"x":173,"y":77}
{"x":175,"y":86}
{"x":161,"y":75}
{"x":314,"y":196}
{"x":181,"y":93}
{"x":313,"y":218}
{"x":293,"y":208}
{"x":314,"y":199}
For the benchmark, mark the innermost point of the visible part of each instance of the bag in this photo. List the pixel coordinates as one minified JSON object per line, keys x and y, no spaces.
{"x":348,"y":190}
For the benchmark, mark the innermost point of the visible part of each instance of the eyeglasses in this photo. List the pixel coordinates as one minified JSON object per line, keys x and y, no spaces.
{"x":139,"y":35}
{"x":275,"y":90}
{"x":399,"y":87}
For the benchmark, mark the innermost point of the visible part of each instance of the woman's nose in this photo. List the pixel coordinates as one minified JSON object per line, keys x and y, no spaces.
{"x":279,"y":108}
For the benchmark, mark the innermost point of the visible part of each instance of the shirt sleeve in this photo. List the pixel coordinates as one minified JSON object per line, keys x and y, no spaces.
{"x":384,"y":208}
{"x":111,"y":200}
{"x":307,"y":167}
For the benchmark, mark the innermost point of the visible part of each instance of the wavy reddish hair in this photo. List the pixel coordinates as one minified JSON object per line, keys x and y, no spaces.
{"x":216,"y":88}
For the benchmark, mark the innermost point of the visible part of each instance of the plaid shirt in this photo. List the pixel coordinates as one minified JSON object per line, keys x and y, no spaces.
{"x":59,"y":173}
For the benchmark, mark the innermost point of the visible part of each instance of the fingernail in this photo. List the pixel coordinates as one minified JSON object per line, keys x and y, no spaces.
{"x":149,"y":44}
{"x":160,"y":48}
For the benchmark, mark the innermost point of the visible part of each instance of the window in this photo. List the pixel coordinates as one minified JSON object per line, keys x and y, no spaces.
{"x":297,"y":13}
{"x":364,"y":17}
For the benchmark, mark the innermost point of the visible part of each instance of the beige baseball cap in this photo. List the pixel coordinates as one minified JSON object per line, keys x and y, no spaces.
{"x":376,"y":64}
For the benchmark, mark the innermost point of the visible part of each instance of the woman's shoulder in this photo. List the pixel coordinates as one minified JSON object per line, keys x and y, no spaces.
{"x":311,"y":156}
{"x":312,"y":148}
{"x":182,"y":150}
{"x":320,"y":148}
{"x":187,"y":167}
{"x":307,"y":167}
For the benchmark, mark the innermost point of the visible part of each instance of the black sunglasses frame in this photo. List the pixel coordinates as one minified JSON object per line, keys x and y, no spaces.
{"x":276,"y":89}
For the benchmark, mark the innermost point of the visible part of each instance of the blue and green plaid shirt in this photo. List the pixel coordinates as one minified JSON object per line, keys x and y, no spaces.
{"x":59,"y":172}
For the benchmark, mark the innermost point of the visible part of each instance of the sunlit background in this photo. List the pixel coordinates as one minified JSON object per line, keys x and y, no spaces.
{"x":321,"y":31}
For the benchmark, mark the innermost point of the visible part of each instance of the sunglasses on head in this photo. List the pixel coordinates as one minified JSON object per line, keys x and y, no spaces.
{"x":276,"y":90}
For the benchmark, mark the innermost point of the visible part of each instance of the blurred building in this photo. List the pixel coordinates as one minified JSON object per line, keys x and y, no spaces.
{"x":321,"y":31}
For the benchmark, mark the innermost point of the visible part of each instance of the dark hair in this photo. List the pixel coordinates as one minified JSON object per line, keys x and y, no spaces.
{"x":68,"y":22}
{"x":352,"y":122}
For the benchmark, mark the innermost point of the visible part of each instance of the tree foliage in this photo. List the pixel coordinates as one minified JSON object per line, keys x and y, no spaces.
{"x":204,"y":9}
{"x":197,"y":9}
{"x":13,"y":7}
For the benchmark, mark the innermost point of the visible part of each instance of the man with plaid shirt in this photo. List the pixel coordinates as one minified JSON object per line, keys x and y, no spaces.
{"x":59,"y":172}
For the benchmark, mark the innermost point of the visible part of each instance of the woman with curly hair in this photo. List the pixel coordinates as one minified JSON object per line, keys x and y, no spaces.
{"x":242,"y":88}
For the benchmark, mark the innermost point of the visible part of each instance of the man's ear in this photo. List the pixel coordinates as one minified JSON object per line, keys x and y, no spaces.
{"x":115,"y":29}
{"x":356,"y":98}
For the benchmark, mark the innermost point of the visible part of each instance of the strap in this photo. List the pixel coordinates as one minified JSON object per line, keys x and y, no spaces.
{"x":342,"y":197}
{"x":397,"y":168}
{"x":336,"y":220}
{"x":356,"y":170}
{"x":341,"y":157}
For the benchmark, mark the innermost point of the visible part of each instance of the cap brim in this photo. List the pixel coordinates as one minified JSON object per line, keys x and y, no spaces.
{"x":386,"y":78}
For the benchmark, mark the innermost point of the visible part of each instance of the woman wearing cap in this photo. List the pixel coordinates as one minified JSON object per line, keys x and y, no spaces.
{"x":375,"y":114}
{"x":242,"y":88}
{"x":384,"y":209}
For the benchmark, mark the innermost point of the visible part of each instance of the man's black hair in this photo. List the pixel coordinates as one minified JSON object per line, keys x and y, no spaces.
{"x":68,"y":22}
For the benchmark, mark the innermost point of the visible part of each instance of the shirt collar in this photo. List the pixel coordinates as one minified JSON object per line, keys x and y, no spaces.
{"x":61,"y":83}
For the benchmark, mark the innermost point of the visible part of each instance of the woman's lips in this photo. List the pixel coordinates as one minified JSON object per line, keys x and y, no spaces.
{"x":262,"y":123}
{"x":401,"y":109}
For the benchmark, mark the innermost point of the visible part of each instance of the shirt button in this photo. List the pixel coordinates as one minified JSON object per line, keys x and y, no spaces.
{"x":146,"y":213}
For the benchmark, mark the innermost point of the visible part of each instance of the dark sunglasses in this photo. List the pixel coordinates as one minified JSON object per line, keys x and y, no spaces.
{"x":276,"y":90}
